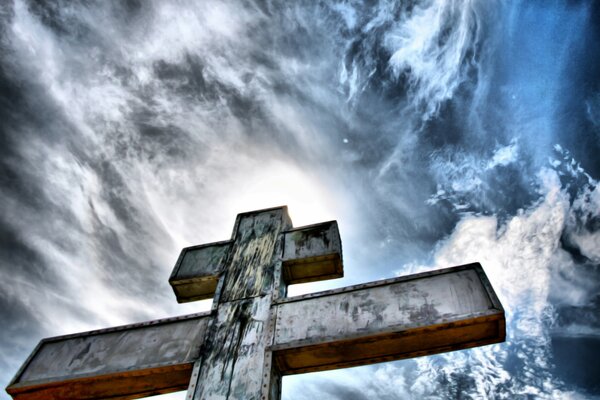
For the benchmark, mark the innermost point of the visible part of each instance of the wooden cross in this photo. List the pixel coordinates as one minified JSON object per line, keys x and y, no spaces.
{"x":254,"y":334}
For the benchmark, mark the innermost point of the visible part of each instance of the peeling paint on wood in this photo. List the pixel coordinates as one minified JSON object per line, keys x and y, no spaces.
{"x":196,"y":273}
{"x":362,"y":325}
{"x":406,"y":304}
{"x":162,"y":347}
{"x":234,"y":354}
{"x":250,"y":268}
{"x":254,"y":335}
{"x":204,"y":260}
{"x":312,"y":253}
{"x":234,"y":359}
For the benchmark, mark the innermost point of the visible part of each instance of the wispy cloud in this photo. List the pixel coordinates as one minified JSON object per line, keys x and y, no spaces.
{"x":427,"y":128}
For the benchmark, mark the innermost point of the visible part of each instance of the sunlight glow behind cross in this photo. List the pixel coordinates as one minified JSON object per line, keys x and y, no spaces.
{"x":277,"y":183}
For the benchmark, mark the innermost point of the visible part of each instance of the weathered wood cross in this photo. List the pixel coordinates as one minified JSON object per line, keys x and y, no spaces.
{"x":254,"y":334}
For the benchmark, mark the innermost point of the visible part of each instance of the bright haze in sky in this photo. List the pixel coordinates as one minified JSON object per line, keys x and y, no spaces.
{"x":436,"y":132}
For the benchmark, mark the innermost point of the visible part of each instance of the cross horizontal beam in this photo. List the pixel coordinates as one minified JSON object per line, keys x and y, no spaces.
{"x":130,"y":361}
{"x":415,"y":315}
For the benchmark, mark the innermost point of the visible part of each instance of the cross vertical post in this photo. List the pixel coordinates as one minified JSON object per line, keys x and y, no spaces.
{"x":235,"y":361}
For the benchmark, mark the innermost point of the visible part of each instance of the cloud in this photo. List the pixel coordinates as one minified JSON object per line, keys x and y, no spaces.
{"x":131,"y":130}
{"x":517,"y":257}
{"x":584,"y":223}
{"x":532,"y":275}
{"x":435,"y":45}
{"x":497,"y":182}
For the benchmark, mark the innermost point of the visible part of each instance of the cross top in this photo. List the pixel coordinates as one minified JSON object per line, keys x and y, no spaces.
{"x":246,"y":275}
{"x":254,"y":334}
{"x":264,"y":255}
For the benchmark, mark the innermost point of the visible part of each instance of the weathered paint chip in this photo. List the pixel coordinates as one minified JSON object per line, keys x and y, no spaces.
{"x":312,"y":253}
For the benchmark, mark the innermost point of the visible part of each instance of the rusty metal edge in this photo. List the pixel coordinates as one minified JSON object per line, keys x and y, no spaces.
{"x":335,"y":257}
{"x":191,"y":390}
{"x":369,"y":361}
{"x":29,"y":386}
{"x":310,"y":260}
{"x":197,"y":279}
{"x":102,"y":331}
{"x":316,"y":278}
{"x":501,"y":337}
{"x":178,"y":284}
{"x":459,"y":320}
{"x":383,"y":282}
{"x":183,"y":300}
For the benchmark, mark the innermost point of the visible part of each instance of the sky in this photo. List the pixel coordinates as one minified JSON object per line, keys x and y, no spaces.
{"x":436,"y":132}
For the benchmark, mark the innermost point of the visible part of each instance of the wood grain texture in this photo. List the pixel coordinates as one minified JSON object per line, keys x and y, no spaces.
{"x":123,"y":385}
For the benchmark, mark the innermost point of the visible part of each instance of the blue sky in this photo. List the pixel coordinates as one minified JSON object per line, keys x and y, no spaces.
{"x":437,"y":133}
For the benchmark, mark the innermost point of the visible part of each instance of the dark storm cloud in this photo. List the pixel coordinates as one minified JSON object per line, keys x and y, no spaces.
{"x":578,"y":362}
{"x":23,"y":111}
{"x":13,"y":335}
{"x":34,"y":218}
